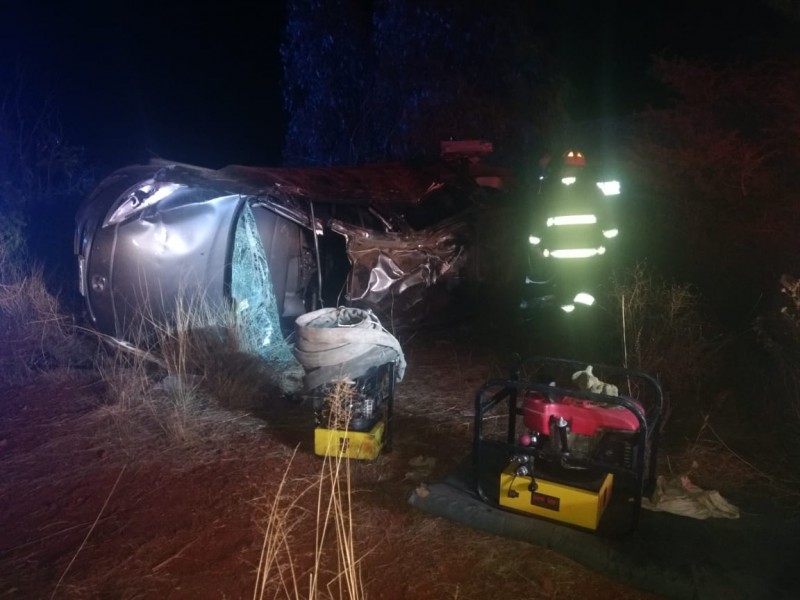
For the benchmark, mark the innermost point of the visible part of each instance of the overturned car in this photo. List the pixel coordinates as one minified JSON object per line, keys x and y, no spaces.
{"x":283,"y":241}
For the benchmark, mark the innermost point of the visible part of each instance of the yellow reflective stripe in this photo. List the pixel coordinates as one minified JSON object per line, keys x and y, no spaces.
{"x":571,"y":220}
{"x":575,"y":252}
{"x":609,"y":188}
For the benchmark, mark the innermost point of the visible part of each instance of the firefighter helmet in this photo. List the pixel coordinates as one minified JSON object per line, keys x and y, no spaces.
{"x":572,"y":163}
{"x":574,"y":158}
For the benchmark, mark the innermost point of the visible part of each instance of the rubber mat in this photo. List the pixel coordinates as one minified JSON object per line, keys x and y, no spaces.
{"x":677,"y":557}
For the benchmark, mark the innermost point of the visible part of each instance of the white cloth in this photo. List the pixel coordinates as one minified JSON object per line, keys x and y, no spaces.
{"x":678,"y":495}
{"x":588,"y":382}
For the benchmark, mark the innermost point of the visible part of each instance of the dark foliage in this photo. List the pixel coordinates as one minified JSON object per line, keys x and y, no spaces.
{"x":720,"y":170}
{"x":718,"y":173}
{"x":389,"y":79}
{"x":42,"y":179}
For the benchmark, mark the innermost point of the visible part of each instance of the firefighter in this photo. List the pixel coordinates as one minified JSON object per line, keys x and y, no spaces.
{"x":571,"y":235}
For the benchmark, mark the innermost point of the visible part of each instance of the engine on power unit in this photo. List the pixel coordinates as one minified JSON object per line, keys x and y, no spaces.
{"x":569,"y":430}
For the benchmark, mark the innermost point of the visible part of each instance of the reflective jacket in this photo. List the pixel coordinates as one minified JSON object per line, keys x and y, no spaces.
{"x":575,"y":221}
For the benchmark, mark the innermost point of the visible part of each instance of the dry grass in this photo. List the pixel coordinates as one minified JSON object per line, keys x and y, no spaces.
{"x":276,"y":569}
{"x":334,"y":505}
{"x":712,"y":462}
{"x":332,"y":525}
{"x":36,"y":335}
{"x":171,"y":375}
{"x":664,"y":333}
{"x":88,"y":534}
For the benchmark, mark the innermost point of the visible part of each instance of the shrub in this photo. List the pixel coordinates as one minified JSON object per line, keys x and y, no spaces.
{"x":663,"y":333}
{"x":778,"y":334}
{"x":35,"y":334}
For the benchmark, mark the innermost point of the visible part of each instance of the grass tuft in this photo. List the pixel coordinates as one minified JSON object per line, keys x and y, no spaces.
{"x":36,"y":335}
{"x":170,"y":375}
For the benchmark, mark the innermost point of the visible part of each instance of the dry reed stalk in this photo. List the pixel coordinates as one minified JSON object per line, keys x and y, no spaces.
{"x":333,"y":517}
{"x":275,"y":542}
{"x":336,"y":481}
{"x":89,"y":533}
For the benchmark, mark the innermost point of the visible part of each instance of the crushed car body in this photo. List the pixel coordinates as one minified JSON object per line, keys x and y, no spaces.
{"x":151,"y":237}
{"x":377,"y":236}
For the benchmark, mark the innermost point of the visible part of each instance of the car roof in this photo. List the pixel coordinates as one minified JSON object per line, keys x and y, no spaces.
{"x":390,"y":184}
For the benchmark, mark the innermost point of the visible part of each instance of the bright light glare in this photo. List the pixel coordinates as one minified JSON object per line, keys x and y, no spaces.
{"x":534,"y":240}
{"x":568,"y":308}
{"x":584,"y":298}
{"x":571,"y":220}
{"x":168,"y":241}
{"x":609,"y":188}
{"x":568,"y":180}
{"x":611,"y":233}
{"x":576,"y":252}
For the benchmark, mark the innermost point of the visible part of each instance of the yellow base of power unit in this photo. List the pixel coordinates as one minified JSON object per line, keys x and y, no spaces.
{"x":349,"y":444}
{"x":582,"y":506}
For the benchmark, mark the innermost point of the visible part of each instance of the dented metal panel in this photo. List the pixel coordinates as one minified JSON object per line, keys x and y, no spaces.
{"x":140,"y":256}
{"x":395,"y":271}
{"x":176,"y":251}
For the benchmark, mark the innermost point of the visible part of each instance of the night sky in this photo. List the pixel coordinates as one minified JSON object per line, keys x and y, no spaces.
{"x":186,"y":81}
{"x":200,"y":83}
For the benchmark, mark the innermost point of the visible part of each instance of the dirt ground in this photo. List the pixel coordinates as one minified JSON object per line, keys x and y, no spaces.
{"x":93,"y":506}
